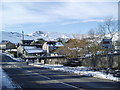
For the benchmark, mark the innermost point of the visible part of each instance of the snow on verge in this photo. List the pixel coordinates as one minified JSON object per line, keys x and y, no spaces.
{"x":16,"y":59}
{"x":80,"y":70}
{"x":5,"y":80}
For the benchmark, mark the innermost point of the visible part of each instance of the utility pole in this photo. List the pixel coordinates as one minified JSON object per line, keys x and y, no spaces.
{"x":119,"y":16}
{"x":22,"y":35}
{"x":119,"y":19}
{"x":119,"y":29}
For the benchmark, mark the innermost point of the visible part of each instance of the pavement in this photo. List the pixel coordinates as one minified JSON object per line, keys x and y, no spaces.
{"x":6,"y":81}
{"x":28,"y":77}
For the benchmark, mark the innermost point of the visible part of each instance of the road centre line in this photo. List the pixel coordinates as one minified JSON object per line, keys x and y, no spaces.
{"x":68,"y":84}
{"x":55,"y":80}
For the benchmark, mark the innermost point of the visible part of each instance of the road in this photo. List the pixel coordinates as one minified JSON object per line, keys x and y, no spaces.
{"x":37,"y":77}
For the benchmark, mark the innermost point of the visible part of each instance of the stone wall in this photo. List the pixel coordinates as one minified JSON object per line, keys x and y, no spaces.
{"x":110,"y":61}
{"x":55,"y":61}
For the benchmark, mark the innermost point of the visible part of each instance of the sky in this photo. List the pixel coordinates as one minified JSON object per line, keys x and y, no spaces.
{"x":66,"y":16}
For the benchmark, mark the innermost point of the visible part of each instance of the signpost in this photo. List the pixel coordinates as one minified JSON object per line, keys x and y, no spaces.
{"x":107,"y":43}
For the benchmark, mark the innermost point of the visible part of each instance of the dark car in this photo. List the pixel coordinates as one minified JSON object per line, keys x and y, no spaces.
{"x":72,"y":63}
{"x":117,"y":73}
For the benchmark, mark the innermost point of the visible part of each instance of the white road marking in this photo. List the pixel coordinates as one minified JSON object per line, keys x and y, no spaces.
{"x":55,"y":80}
{"x":69,"y":85}
{"x":60,"y":82}
{"x":39,"y":75}
{"x":45,"y":77}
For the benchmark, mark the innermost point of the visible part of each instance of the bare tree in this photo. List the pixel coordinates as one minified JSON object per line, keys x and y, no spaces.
{"x":109,"y":26}
{"x":95,"y":44}
{"x":91,"y":33}
{"x":101,"y":31}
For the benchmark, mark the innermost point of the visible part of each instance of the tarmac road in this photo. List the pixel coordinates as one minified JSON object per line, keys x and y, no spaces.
{"x":37,"y":77}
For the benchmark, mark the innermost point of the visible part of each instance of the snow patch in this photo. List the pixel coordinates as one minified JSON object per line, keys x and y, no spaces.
{"x":13,"y":37}
{"x":80,"y":70}
{"x":16,"y":59}
{"x":5,"y":80}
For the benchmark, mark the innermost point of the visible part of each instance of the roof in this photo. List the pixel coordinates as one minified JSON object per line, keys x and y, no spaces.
{"x":26,"y":41}
{"x":59,"y":44}
{"x":29,"y":47}
{"x":51,"y":42}
{"x":3,"y":43}
{"x":33,"y":49}
{"x":37,"y":45}
{"x":15,"y":50}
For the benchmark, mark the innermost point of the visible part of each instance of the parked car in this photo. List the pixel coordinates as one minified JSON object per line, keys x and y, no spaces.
{"x":117,"y":73}
{"x":117,"y":52}
{"x":72,"y":63}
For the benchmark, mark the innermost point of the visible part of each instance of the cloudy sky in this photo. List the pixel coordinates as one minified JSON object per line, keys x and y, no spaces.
{"x":66,"y":17}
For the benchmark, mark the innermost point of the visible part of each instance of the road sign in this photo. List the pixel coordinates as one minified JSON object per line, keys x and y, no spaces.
{"x":107,"y":43}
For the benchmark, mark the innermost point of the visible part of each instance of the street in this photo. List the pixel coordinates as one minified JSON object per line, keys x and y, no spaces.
{"x":37,"y":77}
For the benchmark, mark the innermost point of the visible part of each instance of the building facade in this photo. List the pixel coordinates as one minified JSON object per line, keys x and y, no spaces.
{"x":7,"y":45}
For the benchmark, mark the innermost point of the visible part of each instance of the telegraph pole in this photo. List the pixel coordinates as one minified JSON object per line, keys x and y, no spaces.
{"x":119,"y":17}
{"x":119,"y":28}
{"x":22,"y":35}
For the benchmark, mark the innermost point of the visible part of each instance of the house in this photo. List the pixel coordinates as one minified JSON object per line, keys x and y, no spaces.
{"x":26,"y":49}
{"x":50,"y":46}
{"x":30,"y":51}
{"x":7,"y":45}
{"x":26,"y":42}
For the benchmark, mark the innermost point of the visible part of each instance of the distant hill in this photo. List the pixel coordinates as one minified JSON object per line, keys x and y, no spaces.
{"x":50,"y":35}
{"x":15,"y":37}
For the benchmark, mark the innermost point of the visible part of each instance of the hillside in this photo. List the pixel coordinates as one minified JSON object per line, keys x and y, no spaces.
{"x":15,"y":37}
{"x":50,"y":35}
